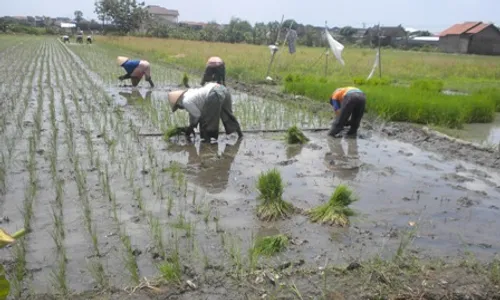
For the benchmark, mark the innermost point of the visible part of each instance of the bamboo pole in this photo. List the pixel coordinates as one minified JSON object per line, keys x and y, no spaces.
{"x":153,"y":134}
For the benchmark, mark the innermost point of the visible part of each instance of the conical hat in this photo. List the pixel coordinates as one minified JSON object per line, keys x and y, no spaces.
{"x":173,"y":98}
{"x":121,"y":59}
{"x":214,"y":61}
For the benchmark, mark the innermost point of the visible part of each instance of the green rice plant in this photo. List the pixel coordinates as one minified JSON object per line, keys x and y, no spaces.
{"x":494,"y":273}
{"x":420,"y":104}
{"x":156,"y":231}
{"x":492,"y":94}
{"x":435,"y":86}
{"x":97,"y":271}
{"x":336,"y":210}
{"x":171,"y":270}
{"x":295,"y":136}
{"x":270,"y":245}
{"x":185,"y":80}
{"x":129,"y":257}
{"x":272,"y":206}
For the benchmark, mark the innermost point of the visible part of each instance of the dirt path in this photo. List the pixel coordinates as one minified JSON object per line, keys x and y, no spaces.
{"x":108,"y":208}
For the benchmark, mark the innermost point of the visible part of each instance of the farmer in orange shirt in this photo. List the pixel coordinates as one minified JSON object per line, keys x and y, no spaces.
{"x":215,"y":71}
{"x":347,"y":102}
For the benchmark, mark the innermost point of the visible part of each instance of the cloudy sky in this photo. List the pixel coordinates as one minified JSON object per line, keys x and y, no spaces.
{"x":433,"y":15}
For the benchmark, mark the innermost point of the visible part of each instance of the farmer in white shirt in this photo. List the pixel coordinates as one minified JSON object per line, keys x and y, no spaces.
{"x":206,"y":105}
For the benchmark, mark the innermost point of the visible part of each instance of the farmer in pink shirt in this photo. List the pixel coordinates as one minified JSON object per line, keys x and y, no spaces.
{"x":135,"y":70}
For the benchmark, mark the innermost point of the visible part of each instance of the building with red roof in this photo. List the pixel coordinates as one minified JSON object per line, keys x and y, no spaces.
{"x":471,"y":38}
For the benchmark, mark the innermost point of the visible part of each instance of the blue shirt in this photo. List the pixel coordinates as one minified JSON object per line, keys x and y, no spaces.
{"x":130,"y":65}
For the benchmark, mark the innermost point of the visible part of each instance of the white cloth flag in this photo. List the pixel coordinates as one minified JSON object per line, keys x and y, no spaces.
{"x":335,"y":46}
{"x":375,"y":65}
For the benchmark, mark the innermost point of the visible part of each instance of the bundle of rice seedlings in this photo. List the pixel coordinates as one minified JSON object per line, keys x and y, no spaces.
{"x":295,"y":136}
{"x":270,"y":245}
{"x":336,"y":210}
{"x":272,"y":205}
{"x":172,"y":131}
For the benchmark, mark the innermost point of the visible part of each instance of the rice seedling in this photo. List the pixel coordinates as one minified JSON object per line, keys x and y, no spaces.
{"x":336,"y":210}
{"x":494,"y":273}
{"x":295,"y":136}
{"x":272,"y":206}
{"x":185,"y":80}
{"x":270,"y":245}
{"x":171,"y":270}
{"x":129,"y":257}
{"x":156,"y":231}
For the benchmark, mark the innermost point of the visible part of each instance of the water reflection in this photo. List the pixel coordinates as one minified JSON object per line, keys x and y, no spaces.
{"x":345,"y":164}
{"x":134,"y":97}
{"x":211,"y":167}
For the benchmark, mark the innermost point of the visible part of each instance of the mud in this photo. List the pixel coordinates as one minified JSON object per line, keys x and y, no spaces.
{"x":202,"y":197}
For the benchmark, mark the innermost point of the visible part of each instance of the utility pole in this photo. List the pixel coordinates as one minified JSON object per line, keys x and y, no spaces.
{"x":379,"y":53}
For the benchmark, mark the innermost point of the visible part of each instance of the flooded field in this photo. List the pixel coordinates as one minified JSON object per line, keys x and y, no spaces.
{"x":108,"y":207}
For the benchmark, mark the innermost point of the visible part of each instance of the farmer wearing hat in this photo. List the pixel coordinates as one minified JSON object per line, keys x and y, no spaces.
{"x":347,"y":102}
{"x":135,"y":70}
{"x":206,"y":105}
{"x":215,"y":71}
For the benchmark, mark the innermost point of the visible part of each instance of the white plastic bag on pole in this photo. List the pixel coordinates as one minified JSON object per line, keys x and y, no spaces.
{"x":375,"y":65}
{"x":335,"y":46}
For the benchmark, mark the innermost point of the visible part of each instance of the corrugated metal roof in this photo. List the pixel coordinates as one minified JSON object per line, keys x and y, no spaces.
{"x":459,"y":28}
{"x":426,"y":38}
{"x":478,"y":28}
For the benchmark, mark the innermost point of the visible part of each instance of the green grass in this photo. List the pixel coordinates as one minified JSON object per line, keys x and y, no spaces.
{"x":272,"y":206}
{"x":421,"y":103}
{"x":249,"y":63}
{"x":336,"y":210}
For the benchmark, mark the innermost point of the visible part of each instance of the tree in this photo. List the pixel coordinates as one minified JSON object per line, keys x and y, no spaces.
{"x":78,"y":16}
{"x":127,"y":15}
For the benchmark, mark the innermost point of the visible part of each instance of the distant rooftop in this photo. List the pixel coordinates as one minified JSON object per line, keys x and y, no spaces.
{"x":158,"y":10}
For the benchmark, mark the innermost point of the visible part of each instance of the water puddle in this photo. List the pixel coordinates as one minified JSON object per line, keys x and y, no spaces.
{"x":453,"y":204}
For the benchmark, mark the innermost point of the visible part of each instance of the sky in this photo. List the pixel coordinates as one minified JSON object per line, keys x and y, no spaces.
{"x":432,"y":15}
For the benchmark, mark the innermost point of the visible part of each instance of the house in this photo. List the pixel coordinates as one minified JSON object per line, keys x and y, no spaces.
{"x":163,"y":15}
{"x":389,"y":35}
{"x":471,"y":38}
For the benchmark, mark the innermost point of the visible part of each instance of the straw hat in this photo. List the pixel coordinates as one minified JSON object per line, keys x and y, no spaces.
{"x":214,"y":61}
{"x":173,"y":98}
{"x":121,"y":59}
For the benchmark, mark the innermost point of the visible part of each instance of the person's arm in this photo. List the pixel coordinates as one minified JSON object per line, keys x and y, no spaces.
{"x":205,"y":75}
{"x":123,"y":77}
{"x":336,"y":106}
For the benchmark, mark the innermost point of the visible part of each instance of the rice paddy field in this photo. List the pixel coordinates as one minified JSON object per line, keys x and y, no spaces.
{"x":114,"y":214}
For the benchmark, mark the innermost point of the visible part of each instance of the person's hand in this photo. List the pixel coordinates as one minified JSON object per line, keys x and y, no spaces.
{"x":188,"y":131}
{"x":121,"y":78}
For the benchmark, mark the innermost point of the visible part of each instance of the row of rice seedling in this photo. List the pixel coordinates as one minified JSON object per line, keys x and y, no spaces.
{"x":422,"y":103}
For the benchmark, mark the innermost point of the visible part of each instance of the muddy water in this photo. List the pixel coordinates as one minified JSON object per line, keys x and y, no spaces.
{"x":488,"y":134}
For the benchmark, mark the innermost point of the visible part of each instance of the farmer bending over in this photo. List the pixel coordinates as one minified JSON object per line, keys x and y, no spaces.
{"x":347,"y":102}
{"x":89,"y":39}
{"x":206,"y":105}
{"x":135,"y":70}
{"x":215,"y":71}
{"x":65,"y":39}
